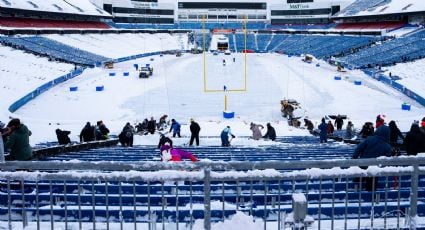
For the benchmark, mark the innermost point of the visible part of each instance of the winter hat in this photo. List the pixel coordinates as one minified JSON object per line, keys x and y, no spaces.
{"x":380,"y":118}
{"x":165,"y":148}
{"x":14,"y":122}
{"x":423,"y":122}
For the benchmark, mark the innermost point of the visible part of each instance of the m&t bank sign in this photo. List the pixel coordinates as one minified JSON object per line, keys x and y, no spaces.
{"x":298,"y":6}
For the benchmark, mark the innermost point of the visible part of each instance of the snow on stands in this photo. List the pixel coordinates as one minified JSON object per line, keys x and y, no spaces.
{"x":69,"y":6}
{"x":378,"y":7}
{"x":411,"y":74}
{"x":123,"y":45}
{"x":22,"y":72}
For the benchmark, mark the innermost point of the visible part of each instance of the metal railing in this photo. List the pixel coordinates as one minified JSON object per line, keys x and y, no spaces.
{"x":150,"y":194}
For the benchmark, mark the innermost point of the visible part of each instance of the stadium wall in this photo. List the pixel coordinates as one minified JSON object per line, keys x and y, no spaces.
{"x":382,"y":78}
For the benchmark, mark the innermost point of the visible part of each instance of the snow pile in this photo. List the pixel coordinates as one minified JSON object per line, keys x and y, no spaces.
{"x":237,"y":221}
{"x":299,"y":198}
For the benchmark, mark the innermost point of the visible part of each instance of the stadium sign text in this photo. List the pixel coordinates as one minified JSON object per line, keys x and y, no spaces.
{"x":298,"y":6}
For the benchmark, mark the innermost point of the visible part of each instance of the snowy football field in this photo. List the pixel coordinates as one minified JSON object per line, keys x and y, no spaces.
{"x":177,"y":89}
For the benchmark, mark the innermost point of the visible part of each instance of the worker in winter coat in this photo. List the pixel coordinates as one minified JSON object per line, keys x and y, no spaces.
{"x":367,"y":130}
{"x":414,"y":140}
{"x":380,"y":121}
{"x":330,"y":128}
{"x":373,"y":147}
{"x":271,"y":132}
{"x":225,"y":134}
{"x":102,"y":133}
{"x":194,"y":131}
{"x":165,"y":140}
{"x":256,"y":132}
{"x":174,"y":154}
{"x":309,"y":125}
{"x":175,"y":127}
{"x":87,"y":133}
{"x":376,"y":145}
{"x":151,"y":126}
{"x":395,"y":133}
{"x":63,"y":138}
{"x":339,"y":122}
{"x":323,"y":127}
{"x":349,"y":132}
{"x":18,"y":141}
{"x":126,"y":137}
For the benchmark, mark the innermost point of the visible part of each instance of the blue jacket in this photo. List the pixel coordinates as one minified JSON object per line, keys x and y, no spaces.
{"x":175,"y":126}
{"x":376,"y":145}
{"x":323,"y":127}
{"x":226,"y":133}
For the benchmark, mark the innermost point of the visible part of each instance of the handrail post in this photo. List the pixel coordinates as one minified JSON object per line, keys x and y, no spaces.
{"x":207,"y":198}
{"x":414,"y":197}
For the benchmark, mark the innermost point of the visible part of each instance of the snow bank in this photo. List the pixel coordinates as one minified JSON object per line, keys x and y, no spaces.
{"x":237,"y":221}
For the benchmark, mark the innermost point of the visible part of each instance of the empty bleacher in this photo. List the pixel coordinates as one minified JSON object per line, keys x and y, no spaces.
{"x":240,"y":42}
{"x":263,"y":41}
{"x":199,"y":40}
{"x":52,"y":49}
{"x":48,"y":23}
{"x":321,"y":46}
{"x":389,"y":52}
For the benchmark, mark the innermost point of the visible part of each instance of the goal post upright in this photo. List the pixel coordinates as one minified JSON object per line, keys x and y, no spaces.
{"x":244,"y":89}
{"x":205,"y":63}
{"x":244,"y":74}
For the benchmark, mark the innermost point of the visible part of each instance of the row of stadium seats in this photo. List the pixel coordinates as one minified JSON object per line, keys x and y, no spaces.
{"x":320,"y":46}
{"x":389,"y":52}
{"x":261,"y":199}
{"x":281,"y":152}
{"x":362,"y":5}
{"x":199,"y":40}
{"x":127,"y":201}
{"x":46,"y":23}
{"x":52,"y":49}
